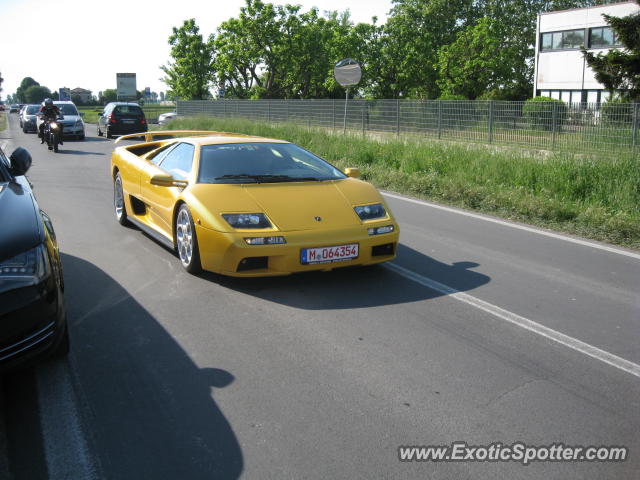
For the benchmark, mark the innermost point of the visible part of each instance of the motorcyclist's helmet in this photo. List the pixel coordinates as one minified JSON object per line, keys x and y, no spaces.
{"x":48,"y":102}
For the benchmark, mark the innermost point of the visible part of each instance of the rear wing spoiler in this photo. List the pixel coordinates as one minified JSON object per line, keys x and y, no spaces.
{"x":148,"y":136}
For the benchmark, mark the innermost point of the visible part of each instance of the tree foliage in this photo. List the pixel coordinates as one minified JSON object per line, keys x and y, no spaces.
{"x":620,"y":69}
{"x":36,"y":94}
{"x":190,"y":74}
{"x":21,"y":90}
{"x":474,"y":48}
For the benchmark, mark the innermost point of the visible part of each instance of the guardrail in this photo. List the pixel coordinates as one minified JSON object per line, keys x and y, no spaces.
{"x":543,"y":125}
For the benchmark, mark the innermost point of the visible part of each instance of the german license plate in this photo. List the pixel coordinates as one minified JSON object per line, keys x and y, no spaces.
{"x":126,"y":120}
{"x":338,"y":253}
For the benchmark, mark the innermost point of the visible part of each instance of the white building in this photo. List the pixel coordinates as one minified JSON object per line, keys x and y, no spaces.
{"x":560,"y":70}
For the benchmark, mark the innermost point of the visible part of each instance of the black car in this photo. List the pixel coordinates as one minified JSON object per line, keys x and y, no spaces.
{"x":120,"y":118}
{"x":32,"y":313}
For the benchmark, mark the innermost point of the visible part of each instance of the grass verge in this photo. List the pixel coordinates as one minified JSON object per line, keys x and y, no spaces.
{"x":591,"y":196}
{"x":3,"y":121}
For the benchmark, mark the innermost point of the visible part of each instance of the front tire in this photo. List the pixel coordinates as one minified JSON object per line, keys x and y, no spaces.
{"x":118,"y":201}
{"x":186,"y":241}
{"x":99,"y":131}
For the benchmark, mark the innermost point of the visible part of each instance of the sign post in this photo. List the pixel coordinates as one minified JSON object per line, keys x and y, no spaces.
{"x":347,"y":73}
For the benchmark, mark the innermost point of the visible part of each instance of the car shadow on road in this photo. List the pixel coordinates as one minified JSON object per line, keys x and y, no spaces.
{"x":78,"y":152}
{"x":359,"y":287}
{"x":151,"y":408}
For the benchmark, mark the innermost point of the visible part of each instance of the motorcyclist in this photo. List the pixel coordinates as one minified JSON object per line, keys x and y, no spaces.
{"x":49,"y":112}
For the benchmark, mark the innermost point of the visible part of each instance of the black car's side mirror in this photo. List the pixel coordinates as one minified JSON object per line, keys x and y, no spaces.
{"x":20,"y":162}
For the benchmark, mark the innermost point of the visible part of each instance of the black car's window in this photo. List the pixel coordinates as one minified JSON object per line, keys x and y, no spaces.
{"x":178,"y":161}
{"x":262,"y":163}
{"x":128,"y":110}
{"x":68,"y":109}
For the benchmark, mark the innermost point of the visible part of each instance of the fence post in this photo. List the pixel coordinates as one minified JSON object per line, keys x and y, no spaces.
{"x":554,"y":124}
{"x":636,"y":121}
{"x":397,"y":117}
{"x":439,"y":119}
{"x":333,"y":108}
{"x":490,"y":121}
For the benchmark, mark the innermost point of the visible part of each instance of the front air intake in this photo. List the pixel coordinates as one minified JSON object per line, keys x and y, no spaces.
{"x":382,"y":250}
{"x":252,"y":263}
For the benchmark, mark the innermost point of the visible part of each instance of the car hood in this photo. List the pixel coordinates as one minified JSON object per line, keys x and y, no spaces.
{"x":290,"y":206}
{"x":19,"y":226}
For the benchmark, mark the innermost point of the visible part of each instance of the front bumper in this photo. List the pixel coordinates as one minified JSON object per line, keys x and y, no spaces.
{"x":32,"y":322}
{"x":72,"y":130}
{"x":223,"y":252}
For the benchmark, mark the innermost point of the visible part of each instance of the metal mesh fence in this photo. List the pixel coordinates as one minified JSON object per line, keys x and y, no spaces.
{"x":581,"y":127}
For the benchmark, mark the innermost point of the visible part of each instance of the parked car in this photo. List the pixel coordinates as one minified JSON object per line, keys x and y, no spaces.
{"x":249,"y":206}
{"x":28,"y":118}
{"x":120,"y":118}
{"x":165,"y":118}
{"x":32,"y":312}
{"x":72,"y":123}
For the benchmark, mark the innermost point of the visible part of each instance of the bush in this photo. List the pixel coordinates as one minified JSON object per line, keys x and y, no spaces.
{"x":543,"y":113}
{"x":617,"y":113}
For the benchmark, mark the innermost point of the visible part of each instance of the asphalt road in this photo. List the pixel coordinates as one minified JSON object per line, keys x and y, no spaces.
{"x":479,"y":332}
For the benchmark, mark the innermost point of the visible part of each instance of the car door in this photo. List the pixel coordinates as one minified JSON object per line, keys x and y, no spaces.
{"x":160,"y":201}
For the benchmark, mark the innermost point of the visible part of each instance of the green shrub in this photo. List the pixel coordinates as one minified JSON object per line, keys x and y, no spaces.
{"x":617,"y":113}
{"x":544,"y":113}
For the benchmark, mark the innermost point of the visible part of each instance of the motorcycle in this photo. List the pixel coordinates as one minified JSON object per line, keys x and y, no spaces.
{"x":52,"y":133}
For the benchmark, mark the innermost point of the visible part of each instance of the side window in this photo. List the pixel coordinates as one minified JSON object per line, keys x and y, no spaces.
{"x":178,"y":161}
{"x":159,"y":156}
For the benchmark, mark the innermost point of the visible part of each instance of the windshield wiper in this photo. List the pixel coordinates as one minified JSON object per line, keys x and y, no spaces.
{"x":268,"y":178}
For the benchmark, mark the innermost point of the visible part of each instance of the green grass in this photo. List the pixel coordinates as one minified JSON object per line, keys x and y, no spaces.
{"x":3,"y":121}
{"x":592,"y":196}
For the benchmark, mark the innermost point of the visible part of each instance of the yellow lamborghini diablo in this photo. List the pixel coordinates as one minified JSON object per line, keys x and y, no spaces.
{"x":249,"y":206}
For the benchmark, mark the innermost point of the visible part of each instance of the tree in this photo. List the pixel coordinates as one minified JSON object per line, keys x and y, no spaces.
{"x":36,"y":94}
{"x":24,"y":85}
{"x":1,"y":80}
{"x":483,"y":59}
{"x":620,"y":69}
{"x":109,"y":95}
{"x":191,"y":72}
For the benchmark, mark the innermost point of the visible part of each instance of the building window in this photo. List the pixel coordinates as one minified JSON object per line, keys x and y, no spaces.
{"x":569,"y":39}
{"x":602,"y":37}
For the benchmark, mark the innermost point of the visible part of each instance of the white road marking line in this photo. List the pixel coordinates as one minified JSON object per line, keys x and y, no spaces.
{"x":65,"y":447}
{"x":557,"y":236}
{"x":549,"y":333}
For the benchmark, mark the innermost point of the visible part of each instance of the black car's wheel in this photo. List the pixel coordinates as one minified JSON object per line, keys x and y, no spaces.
{"x":107,"y":133}
{"x":24,"y":129}
{"x":118,"y":201}
{"x":186,"y":241}
{"x":81,"y":137}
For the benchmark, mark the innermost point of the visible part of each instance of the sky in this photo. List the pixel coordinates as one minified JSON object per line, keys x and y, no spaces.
{"x":84,"y":43}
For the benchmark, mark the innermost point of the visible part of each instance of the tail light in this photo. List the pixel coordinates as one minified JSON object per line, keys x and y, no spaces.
{"x":112,"y":119}
{"x":142,"y":121}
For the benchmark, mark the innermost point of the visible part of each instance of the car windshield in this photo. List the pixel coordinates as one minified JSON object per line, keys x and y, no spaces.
{"x":262,"y":163}
{"x":32,"y":109}
{"x":68,"y":109}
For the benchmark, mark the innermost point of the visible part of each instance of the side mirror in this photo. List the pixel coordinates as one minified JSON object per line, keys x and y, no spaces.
{"x":20,"y":162}
{"x":166,"y":180}
{"x":352,"y":172}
